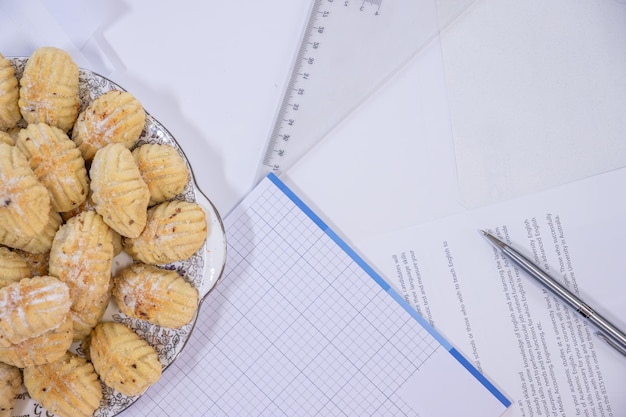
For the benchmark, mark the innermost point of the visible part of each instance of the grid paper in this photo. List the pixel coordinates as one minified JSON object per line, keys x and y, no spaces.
{"x":296,"y":327}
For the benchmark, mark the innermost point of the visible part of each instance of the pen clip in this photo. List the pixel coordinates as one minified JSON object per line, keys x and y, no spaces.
{"x":608,"y":340}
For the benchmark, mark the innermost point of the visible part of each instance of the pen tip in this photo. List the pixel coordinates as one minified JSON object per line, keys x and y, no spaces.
{"x":483,"y":232}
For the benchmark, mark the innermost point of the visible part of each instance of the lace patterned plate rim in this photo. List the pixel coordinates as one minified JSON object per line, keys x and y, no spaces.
{"x":203,"y":270}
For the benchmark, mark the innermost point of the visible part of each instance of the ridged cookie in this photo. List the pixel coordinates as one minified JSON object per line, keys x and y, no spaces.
{"x":9,"y":95}
{"x":57,"y":164}
{"x":24,"y":201}
{"x":10,"y":383}
{"x":42,"y":242}
{"x":49,"y":88}
{"x":88,"y":205}
{"x":163,"y":169}
{"x":119,"y":193}
{"x":12,"y":267}
{"x":114,"y":117}
{"x":6,"y":138}
{"x":41,"y":349}
{"x":31,"y":307}
{"x":159,"y":296}
{"x":13,"y":133}
{"x":124,"y":361}
{"x":85,"y":319}
{"x":175,"y":230}
{"x":67,"y":387}
{"x":82,"y":257}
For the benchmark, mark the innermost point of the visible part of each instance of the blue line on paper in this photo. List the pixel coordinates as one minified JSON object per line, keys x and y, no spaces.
{"x":385,"y":286}
{"x":505,"y":401}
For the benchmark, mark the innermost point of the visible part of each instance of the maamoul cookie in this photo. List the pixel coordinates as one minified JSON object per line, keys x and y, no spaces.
{"x":13,"y":133}
{"x":67,"y":387}
{"x":119,"y":193}
{"x":84,"y":206}
{"x":41,"y":349}
{"x":88,"y":205}
{"x":114,"y":117}
{"x":41,"y":243}
{"x":12,"y":267}
{"x":57,"y":164}
{"x":10,"y":383}
{"x":31,"y":307}
{"x":49,"y":88}
{"x":9,"y":95}
{"x":6,"y":138}
{"x":122,"y":359}
{"x":175,"y":230}
{"x":85,"y":319}
{"x":163,"y":169}
{"x":24,"y":202}
{"x":82,"y":257}
{"x":159,"y":296}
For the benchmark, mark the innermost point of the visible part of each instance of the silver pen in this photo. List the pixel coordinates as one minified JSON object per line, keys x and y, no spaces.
{"x":607,"y":331}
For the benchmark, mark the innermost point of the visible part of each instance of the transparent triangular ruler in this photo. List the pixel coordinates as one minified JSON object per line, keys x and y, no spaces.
{"x":348,"y":49}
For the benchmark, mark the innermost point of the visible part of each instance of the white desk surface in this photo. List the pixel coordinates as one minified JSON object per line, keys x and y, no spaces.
{"x":213,"y":73}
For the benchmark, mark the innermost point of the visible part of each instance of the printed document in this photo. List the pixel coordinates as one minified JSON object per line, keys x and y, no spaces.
{"x":543,"y":354}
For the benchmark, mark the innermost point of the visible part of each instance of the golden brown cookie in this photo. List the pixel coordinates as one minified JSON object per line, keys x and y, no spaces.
{"x":82,"y":257}
{"x":117,"y":243}
{"x":12,"y":267}
{"x":13,"y":133}
{"x":31,"y":307}
{"x":114,"y":117}
{"x":175,"y":230}
{"x":10,"y":383}
{"x":49,"y":88}
{"x":42,"y":242}
{"x":163,"y":169}
{"x":41,"y":349}
{"x":9,"y":95}
{"x":85,"y":205}
{"x":85,"y":319}
{"x":6,"y":138}
{"x":57,"y":164}
{"x":24,"y":201}
{"x":88,"y":205}
{"x":159,"y":296}
{"x":67,"y":387}
{"x":124,"y":361}
{"x":119,"y":193}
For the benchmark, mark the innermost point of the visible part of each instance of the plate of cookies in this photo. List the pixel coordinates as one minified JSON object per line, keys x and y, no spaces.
{"x":108,"y":247}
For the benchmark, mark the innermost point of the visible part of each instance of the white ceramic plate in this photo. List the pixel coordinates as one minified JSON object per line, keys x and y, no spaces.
{"x":203,"y":269}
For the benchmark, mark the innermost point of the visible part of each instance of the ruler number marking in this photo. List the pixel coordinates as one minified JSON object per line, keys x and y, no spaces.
{"x":306,"y":58}
{"x":289,"y":107}
{"x":304,"y":69}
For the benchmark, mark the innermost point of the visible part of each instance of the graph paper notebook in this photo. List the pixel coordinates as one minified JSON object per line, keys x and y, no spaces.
{"x":301,"y":326}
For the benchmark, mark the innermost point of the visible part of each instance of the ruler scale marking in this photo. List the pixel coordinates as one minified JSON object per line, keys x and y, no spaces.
{"x":297,"y":76}
{"x":327,"y":81}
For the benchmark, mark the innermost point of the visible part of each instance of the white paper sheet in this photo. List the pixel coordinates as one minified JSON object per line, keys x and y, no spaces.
{"x":27,"y":25}
{"x":537,"y":94}
{"x":542,"y":353}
